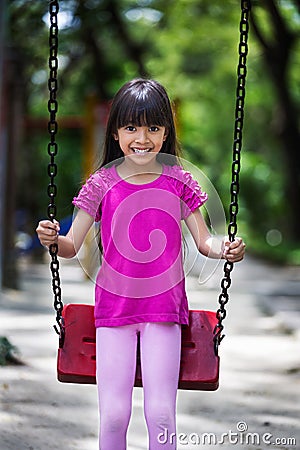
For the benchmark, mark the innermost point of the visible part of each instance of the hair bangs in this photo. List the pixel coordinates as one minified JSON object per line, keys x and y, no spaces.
{"x":142,"y":110}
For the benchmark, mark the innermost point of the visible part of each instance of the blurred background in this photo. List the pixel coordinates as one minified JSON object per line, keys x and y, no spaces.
{"x":190,"y":46}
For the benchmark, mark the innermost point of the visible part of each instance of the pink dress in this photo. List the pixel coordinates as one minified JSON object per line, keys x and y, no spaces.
{"x":141,"y":278}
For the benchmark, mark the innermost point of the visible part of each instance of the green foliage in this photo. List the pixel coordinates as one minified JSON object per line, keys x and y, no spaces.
{"x":191,"y":47}
{"x":35,"y":178}
{"x":8,"y":352}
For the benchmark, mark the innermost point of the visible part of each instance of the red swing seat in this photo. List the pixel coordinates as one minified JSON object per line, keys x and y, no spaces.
{"x":76,"y":362}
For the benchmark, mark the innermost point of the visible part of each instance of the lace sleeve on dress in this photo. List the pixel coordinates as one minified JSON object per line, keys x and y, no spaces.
{"x":90,"y":196}
{"x":191,"y":195}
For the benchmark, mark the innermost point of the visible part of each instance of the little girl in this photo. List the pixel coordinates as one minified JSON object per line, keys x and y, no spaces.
{"x":139,"y":195}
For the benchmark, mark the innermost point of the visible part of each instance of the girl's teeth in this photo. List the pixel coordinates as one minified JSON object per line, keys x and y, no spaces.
{"x":137,"y":150}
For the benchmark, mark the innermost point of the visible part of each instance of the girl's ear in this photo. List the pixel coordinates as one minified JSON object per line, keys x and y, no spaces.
{"x":166,"y":135}
{"x":115,"y":136}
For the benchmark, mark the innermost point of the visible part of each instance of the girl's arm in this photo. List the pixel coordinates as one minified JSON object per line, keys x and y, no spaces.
{"x":213,"y":246}
{"x":69,"y":245}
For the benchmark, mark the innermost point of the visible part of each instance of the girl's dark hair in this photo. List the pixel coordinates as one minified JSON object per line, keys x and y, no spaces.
{"x":141,"y":102}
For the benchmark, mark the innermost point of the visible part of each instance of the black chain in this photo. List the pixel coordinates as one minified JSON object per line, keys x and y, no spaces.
{"x":236,"y":165}
{"x":52,"y":167}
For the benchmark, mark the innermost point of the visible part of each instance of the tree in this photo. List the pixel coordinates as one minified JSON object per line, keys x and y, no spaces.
{"x":278,"y":52}
{"x":191,"y":47}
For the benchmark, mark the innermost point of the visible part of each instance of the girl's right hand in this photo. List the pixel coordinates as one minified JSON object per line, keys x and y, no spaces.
{"x":47,"y":232}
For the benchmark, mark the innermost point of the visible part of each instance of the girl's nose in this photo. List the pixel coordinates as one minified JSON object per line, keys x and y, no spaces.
{"x":142,"y":136}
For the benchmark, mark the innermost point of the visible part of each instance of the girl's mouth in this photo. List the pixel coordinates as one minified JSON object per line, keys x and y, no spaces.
{"x":141,"y":151}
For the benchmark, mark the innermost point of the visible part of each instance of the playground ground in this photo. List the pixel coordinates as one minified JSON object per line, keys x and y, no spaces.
{"x":256,"y":406}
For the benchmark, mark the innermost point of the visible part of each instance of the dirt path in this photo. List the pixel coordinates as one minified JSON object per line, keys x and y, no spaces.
{"x":256,"y":406}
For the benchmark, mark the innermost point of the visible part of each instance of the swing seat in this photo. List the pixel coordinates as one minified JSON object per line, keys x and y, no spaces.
{"x":199,"y":368}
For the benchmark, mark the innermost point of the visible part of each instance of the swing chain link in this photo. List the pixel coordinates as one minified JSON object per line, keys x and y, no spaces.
{"x":52,"y":166}
{"x":236,"y":166}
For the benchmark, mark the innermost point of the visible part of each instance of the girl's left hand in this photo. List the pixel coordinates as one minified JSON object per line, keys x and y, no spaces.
{"x":234,"y":251}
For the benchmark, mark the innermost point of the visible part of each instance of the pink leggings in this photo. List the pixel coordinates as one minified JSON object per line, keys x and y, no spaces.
{"x":116,"y":362}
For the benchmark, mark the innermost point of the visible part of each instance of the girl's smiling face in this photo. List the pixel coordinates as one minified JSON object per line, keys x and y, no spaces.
{"x":142,"y":141}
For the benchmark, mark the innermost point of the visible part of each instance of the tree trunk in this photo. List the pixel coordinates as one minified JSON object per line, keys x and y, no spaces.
{"x":277,"y":56}
{"x":13,"y":110}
